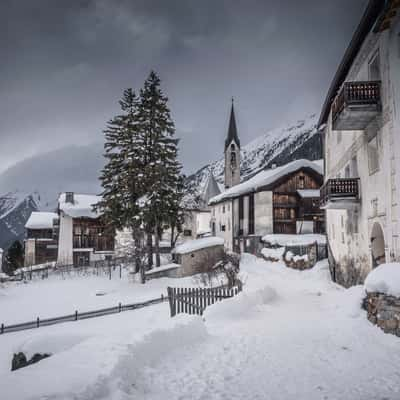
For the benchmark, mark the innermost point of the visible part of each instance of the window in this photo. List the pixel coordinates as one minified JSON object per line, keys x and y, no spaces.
{"x":373,"y":157}
{"x":342,"y":238}
{"x":339,"y":136}
{"x":301,"y":181}
{"x":354,"y":167}
{"x":223,"y":228}
{"x":347,"y":171}
{"x":223,"y":209}
{"x":233,"y":156}
{"x":187,"y":232}
{"x":251,"y":214}
{"x":229,"y":224}
{"x":241,"y":215}
{"x":374,"y":68}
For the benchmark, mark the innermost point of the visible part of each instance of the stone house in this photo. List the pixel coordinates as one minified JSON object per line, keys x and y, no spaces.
{"x":198,"y":256}
{"x":361,"y":123}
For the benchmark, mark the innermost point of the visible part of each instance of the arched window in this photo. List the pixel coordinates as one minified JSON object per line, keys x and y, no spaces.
{"x":233,"y":156}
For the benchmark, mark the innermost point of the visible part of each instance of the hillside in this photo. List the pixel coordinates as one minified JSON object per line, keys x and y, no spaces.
{"x":279,"y":146}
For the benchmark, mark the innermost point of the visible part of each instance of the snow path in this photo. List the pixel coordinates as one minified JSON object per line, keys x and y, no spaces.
{"x":306,"y":344}
{"x":289,"y":335}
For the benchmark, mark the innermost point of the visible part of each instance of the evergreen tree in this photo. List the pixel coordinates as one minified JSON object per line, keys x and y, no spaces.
{"x":14,"y":258}
{"x":122,"y":177}
{"x":162,"y":168}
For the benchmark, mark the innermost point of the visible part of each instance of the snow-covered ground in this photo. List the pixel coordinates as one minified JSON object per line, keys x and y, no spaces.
{"x":288,"y":335}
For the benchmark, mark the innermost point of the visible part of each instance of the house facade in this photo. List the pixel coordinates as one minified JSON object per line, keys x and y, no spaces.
{"x":83,"y":235}
{"x":283,"y":199}
{"x":41,"y":244}
{"x":361,"y":122}
{"x":75,"y":235}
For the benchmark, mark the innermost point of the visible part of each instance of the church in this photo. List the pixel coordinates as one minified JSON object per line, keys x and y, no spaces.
{"x":280,"y":199}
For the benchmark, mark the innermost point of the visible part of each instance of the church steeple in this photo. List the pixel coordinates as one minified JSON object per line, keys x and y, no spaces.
{"x":232,"y":153}
{"x":232,"y":130}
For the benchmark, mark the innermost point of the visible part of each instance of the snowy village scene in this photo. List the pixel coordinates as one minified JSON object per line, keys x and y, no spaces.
{"x":200,"y":200}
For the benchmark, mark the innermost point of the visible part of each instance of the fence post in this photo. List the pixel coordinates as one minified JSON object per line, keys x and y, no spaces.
{"x":2,"y":329}
{"x":76,"y":315}
{"x":37,"y":322}
{"x":120,"y":271}
{"x":119,"y":307}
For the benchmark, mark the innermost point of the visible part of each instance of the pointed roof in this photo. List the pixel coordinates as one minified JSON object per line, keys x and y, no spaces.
{"x":211,"y":189}
{"x":232,"y":131}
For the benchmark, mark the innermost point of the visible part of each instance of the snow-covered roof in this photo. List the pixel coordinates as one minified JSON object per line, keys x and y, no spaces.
{"x":264,"y":178}
{"x":294,"y":240}
{"x":41,"y":220}
{"x":384,"y":279}
{"x":308,"y":193}
{"x":82,"y":205}
{"x":198,"y":244}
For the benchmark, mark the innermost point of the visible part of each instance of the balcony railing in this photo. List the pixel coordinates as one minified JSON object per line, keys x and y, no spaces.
{"x":356,"y":105}
{"x":340,"y":193}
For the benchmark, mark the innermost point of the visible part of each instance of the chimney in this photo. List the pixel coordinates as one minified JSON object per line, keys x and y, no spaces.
{"x":69,"y":197}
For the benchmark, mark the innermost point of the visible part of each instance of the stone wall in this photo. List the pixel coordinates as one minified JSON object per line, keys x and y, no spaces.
{"x":383,"y":310}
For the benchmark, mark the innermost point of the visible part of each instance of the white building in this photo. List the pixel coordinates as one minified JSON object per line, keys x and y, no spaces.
{"x":83,"y":236}
{"x":361,"y":116}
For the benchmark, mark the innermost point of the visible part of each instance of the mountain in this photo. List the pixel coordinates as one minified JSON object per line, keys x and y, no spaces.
{"x":279,"y":146}
{"x":34,"y":184}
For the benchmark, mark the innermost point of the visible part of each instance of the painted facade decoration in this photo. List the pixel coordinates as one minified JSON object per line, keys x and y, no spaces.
{"x":361,"y":122}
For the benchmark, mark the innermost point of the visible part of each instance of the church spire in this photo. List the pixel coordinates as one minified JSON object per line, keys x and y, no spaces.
{"x":232,"y":153}
{"x":232,"y":131}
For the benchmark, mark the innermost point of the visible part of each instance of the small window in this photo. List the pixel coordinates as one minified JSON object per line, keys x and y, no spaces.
{"x":373,"y":155}
{"x":187,"y":232}
{"x":223,"y":228}
{"x":301,"y":181}
{"x":192,"y":255}
{"x":374,"y":68}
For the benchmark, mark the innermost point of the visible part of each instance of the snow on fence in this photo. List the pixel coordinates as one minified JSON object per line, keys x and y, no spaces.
{"x":195,"y":300}
{"x":76,"y":316}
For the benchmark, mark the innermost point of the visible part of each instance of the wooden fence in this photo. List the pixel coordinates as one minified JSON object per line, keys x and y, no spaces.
{"x":100,"y":267}
{"x":195,"y":300}
{"x":76,"y":316}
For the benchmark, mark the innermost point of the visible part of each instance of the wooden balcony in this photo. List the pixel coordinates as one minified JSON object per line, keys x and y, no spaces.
{"x":340,"y":194}
{"x":356,"y":105}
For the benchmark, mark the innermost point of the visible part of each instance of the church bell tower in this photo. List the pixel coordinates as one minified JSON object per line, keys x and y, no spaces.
{"x":232,"y":153}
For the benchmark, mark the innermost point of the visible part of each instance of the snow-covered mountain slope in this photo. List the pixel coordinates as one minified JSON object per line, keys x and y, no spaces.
{"x":278,"y":146}
{"x":34,"y":184}
{"x":15,"y":209}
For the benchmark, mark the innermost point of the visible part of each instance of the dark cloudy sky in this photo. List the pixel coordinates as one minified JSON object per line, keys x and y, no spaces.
{"x":64,"y":63}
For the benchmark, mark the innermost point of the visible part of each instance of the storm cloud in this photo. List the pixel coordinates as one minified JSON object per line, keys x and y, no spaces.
{"x":64,"y":65}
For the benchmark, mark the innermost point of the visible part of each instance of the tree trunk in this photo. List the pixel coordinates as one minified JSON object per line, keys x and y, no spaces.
{"x":139,"y":265}
{"x":157,"y":246}
{"x":149,"y":250}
